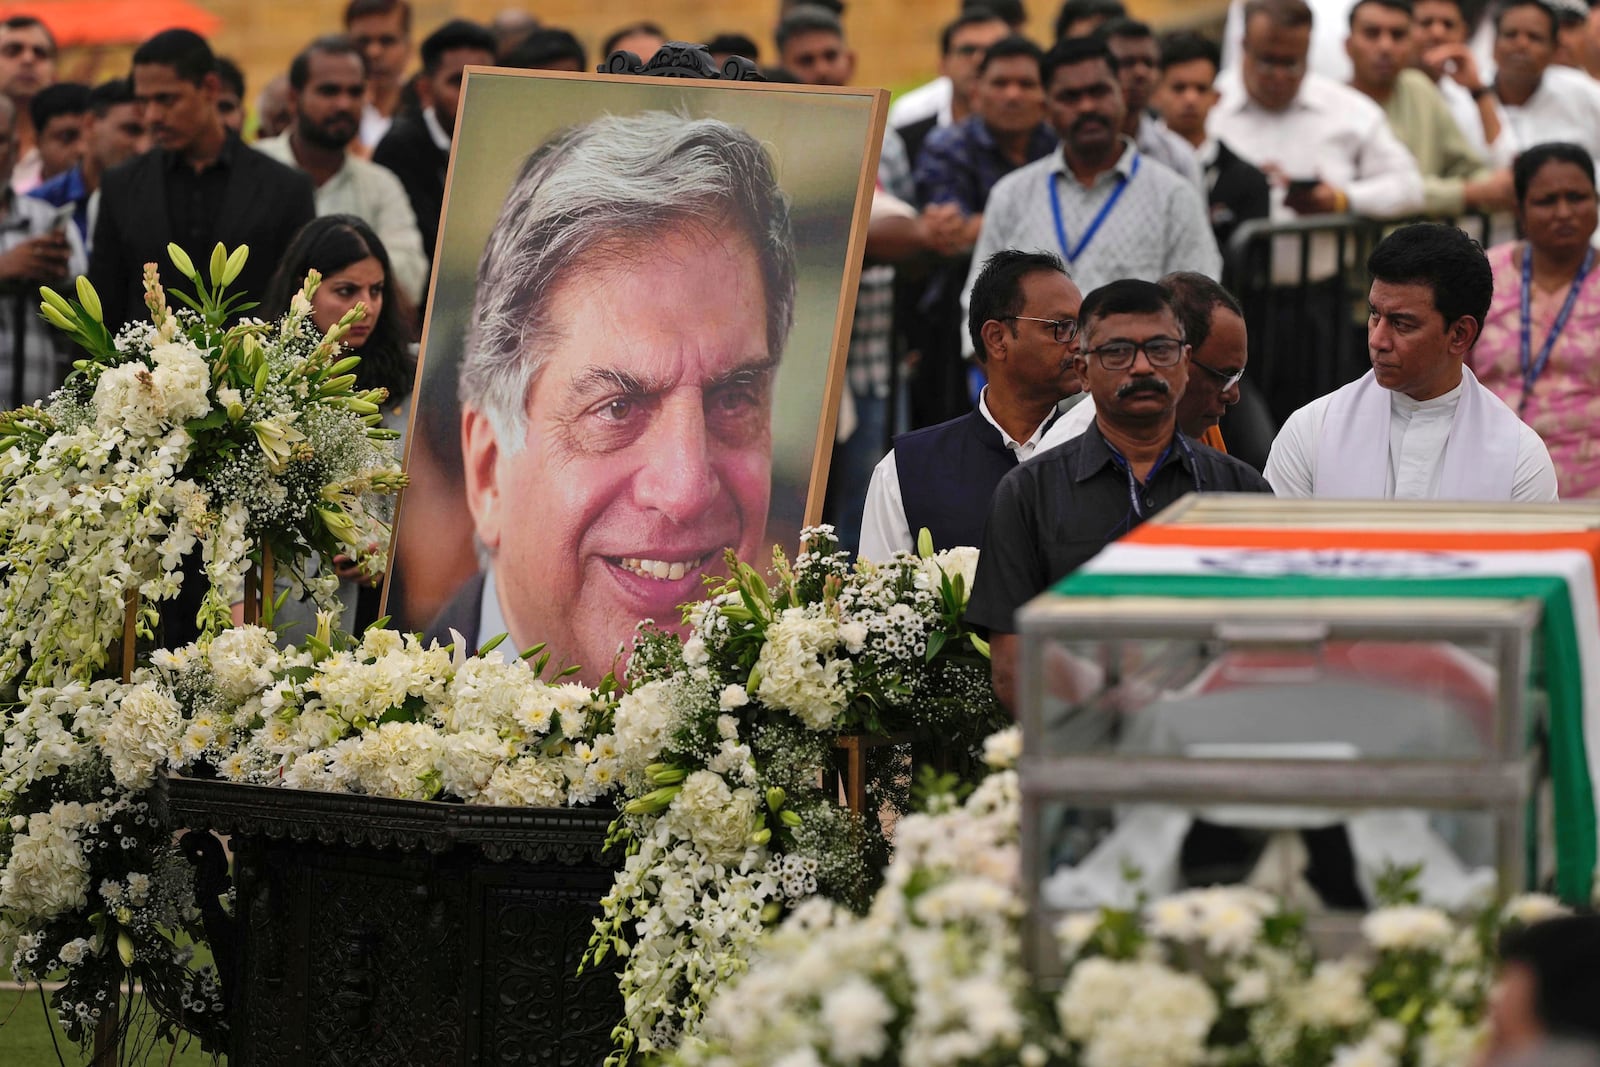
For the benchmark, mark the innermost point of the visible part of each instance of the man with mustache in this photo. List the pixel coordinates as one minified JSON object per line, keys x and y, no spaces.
{"x":1051,"y":514}
{"x":327,"y":84}
{"x":1098,"y":203}
{"x":198,"y":186}
{"x":1418,"y":425}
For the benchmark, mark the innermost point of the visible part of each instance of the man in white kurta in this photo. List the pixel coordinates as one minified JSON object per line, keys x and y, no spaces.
{"x":1418,"y":426}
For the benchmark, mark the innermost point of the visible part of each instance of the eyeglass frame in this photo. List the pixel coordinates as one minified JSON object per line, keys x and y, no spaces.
{"x":1140,"y":346}
{"x":1228,"y":380}
{"x":1056,"y":325}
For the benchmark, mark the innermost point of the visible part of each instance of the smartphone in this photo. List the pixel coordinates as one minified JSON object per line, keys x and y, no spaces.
{"x":1301,"y":186}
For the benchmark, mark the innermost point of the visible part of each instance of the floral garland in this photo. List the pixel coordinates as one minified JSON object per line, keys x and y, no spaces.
{"x":932,"y":973}
{"x":179,"y":432}
{"x":724,"y":741}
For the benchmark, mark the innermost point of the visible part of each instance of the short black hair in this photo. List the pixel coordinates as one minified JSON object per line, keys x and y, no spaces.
{"x":1511,"y":5}
{"x":1284,"y":14}
{"x":1010,"y":11}
{"x":453,"y":35}
{"x":543,"y":47}
{"x":1561,"y":953}
{"x":1186,"y":46}
{"x":1532,"y":160}
{"x":997,"y":290}
{"x":109,"y":94}
{"x":332,"y":44}
{"x":53,"y":101}
{"x":31,"y":22}
{"x":360,"y":9}
{"x":1402,"y":6}
{"x":1195,"y":300}
{"x":1073,"y":10}
{"x":1010,"y":48}
{"x":734,"y":44}
{"x":971,"y":16}
{"x":806,"y":18}
{"x":232,"y":77}
{"x":1123,"y":26}
{"x":615,"y":37}
{"x":1443,"y":258}
{"x":185,"y":51}
{"x":1126,"y":296}
{"x":1071,"y":52}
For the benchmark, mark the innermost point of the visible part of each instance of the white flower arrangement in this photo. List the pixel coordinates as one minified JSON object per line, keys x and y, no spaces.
{"x":932,"y":973}
{"x":176,"y":433}
{"x":722,"y":743}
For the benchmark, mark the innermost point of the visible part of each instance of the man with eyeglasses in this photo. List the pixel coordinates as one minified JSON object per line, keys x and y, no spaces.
{"x":1098,"y":203}
{"x":1138,"y":60}
{"x":1213,"y":327}
{"x":963,"y":43}
{"x":27,"y":65}
{"x":1052,"y":514}
{"x":1418,"y":425}
{"x":939,"y":478}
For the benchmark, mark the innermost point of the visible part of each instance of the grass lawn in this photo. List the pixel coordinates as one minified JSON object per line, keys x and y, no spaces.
{"x":25,"y":1038}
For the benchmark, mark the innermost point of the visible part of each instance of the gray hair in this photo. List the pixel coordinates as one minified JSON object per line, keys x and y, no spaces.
{"x":620,"y":178}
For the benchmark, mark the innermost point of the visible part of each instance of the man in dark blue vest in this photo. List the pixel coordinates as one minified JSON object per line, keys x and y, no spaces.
{"x":1023,"y":319}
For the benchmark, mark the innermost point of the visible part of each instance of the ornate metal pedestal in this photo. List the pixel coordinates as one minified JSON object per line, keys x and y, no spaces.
{"x":371,"y":931}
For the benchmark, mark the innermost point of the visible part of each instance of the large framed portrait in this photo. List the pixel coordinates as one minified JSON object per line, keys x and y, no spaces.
{"x":634,"y":348}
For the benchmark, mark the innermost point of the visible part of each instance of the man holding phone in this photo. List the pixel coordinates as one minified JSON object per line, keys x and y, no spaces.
{"x":38,"y":246}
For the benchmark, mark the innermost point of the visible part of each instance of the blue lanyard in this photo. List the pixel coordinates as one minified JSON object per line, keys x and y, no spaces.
{"x":1532,"y":368}
{"x":1155,"y":468}
{"x":1068,"y":250}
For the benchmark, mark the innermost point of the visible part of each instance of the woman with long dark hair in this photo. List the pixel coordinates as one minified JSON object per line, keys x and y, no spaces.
{"x":355,"y":269}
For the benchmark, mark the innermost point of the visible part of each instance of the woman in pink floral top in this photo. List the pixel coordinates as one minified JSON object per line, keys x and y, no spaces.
{"x":1540,"y":348}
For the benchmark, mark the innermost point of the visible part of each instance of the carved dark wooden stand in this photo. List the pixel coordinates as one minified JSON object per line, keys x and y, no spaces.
{"x":371,"y":931}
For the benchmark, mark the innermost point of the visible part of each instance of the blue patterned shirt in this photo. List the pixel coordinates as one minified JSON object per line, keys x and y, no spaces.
{"x":959,"y":164}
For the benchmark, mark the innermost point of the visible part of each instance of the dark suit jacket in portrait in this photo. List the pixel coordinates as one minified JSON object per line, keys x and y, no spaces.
{"x":409,"y":151}
{"x":1237,"y":193}
{"x":263,"y":205}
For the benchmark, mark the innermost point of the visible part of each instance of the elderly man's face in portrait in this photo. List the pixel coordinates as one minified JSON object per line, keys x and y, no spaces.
{"x":647,"y":445}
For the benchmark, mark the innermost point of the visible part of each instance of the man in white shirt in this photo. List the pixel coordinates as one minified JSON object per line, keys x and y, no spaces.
{"x":326,"y":86}
{"x":1138,"y":57}
{"x":382,"y":30}
{"x":1328,"y":142}
{"x":1024,"y":320}
{"x":1097,"y":202}
{"x":1542,"y":102}
{"x":1418,"y":426}
{"x":933,"y":99}
{"x":1446,"y":56}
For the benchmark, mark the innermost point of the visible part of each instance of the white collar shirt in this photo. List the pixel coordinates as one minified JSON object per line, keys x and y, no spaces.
{"x":1418,"y":432}
{"x":1328,"y":132}
{"x":374,"y":124}
{"x":884,"y":527}
{"x":430,"y":119}
{"x":933,"y":99}
{"x":1565,"y":107}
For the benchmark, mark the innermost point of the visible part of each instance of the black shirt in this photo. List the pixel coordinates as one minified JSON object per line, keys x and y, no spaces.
{"x":1054,"y":512}
{"x":195,"y":199}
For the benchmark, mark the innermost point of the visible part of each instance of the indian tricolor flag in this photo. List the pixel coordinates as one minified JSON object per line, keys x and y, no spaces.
{"x":1171,"y":560}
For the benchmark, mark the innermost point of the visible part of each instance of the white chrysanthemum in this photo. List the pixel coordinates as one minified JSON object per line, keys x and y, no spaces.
{"x":242,"y":659}
{"x":1002,"y":750}
{"x":398,"y":759}
{"x":1408,"y":927}
{"x":733,"y":696}
{"x":1334,"y":996}
{"x":856,"y":1016}
{"x":1529,"y":908}
{"x":528,"y":783}
{"x":467,"y":761}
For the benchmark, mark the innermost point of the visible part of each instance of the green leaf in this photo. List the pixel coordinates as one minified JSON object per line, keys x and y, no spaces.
{"x":209,"y":421}
{"x":936,"y":641}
